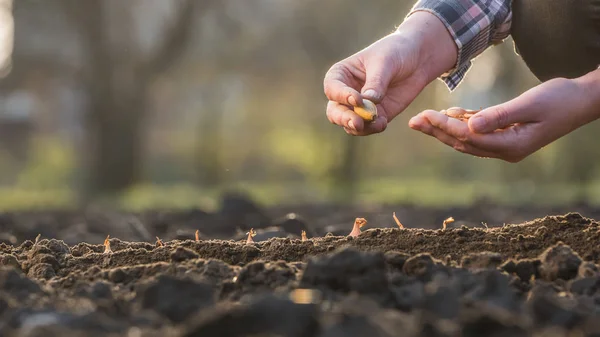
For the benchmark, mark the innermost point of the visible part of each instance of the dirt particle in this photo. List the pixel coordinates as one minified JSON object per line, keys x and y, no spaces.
{"x":181,"y":254}
{"x":4,"y":306}
{"x":587,"y":269}
{"x":441,"y":298}
{"x":488,"y":322}
{"x":175,"y":298}
{"x":588,"y":286}
{"x":559,"y":262}
{"x":92,"y":272}
{"x":44,"y":258}
{"x":58,"y":247}
{"x":493,"y":288}
{"x":9,"y":260}
{"x":576,"y":218}
{"x":39,"y":249}
{"x":96,"y":291}
{"x":525,"y":269}
{"x":82,"y":249}
{"x":541,"y":231}
{"x":41,"y":271}
{"x":27,"y":244}
{"x":14,"y":283}
{"x":419,"y":240}
{"x":460,"y":240}
{"x":408,"y":295}
{"x":346,"y":270}
{"x":215,"y":271}
{"x":258,"y":276}
{"x":250,"y":252}
{"x":481,"y":260}
{"x":423,"y":266}
{"x":268,"y":316}
{"x":550,"y":310}
{"x":118,"y":275}
{"x":395,"y":259}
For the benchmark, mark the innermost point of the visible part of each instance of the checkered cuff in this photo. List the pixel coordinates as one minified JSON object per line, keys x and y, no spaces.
{"x":475,"y":25}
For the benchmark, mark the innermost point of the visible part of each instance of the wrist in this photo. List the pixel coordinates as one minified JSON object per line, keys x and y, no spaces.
{"x":437,"y":50}
{"x":589,"y":85}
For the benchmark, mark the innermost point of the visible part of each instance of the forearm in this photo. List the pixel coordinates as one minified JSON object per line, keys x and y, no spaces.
{"x":473,"y":25}
{"x":590,"y":97}
{"x":437,"y":51}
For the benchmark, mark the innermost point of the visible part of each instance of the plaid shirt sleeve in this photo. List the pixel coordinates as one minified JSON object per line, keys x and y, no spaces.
{"x":475,"y":25}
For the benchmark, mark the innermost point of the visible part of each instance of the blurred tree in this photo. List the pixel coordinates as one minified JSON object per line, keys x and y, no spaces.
{"x":208,"y":153}
{"x":327,"y":35}
{"x":224,"y":60}
{"x":323,"y":50}
{"x":117,"y":76}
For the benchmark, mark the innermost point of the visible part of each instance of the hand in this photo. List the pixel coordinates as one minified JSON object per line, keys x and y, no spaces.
{"x":516,"y":129}
{"x":391,"y":73}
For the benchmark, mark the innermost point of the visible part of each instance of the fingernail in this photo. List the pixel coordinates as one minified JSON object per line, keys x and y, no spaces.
{"x":351,"y":125}
{"x":413,"y":123}
{"x":371,"y":94}
{"x":352,"y":100}
{"x":478,"y":123}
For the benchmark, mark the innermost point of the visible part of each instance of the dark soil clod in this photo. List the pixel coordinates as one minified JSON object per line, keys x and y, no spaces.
{"x":559,"y":262}
{"x":175,"y":298}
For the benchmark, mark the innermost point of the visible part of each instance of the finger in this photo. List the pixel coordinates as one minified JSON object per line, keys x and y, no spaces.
{"x":523,"y":109}
{"x":506,"y":143}
{"x":343,"y":116}
{"x":452,"y":126}
{"x":452,"y":142}
{"x":431,"y":130}
{"x":377,"y":126}
{"x":337,"y":86}
{"x":399,"y":97}
{"x":417,"y":122}
{"x":498,"y":142}
{"x":378,"y":78}
{"x":533,"y":106}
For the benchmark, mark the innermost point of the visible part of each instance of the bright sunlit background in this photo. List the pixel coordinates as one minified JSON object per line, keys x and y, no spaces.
{"x":146,"y":103}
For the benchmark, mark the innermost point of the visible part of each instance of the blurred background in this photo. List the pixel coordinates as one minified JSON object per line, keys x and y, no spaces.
{"x":168,"y":103}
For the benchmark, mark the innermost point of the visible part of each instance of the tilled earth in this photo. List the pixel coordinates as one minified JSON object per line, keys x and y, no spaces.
{"x":537,"y":278}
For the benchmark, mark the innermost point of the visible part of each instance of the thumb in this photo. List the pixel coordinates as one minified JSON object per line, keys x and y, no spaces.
{"x":378,"y":78}
{"x":497,"y":117}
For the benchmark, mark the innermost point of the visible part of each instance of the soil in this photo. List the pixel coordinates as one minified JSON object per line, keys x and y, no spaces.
{"x":535,"y":278}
